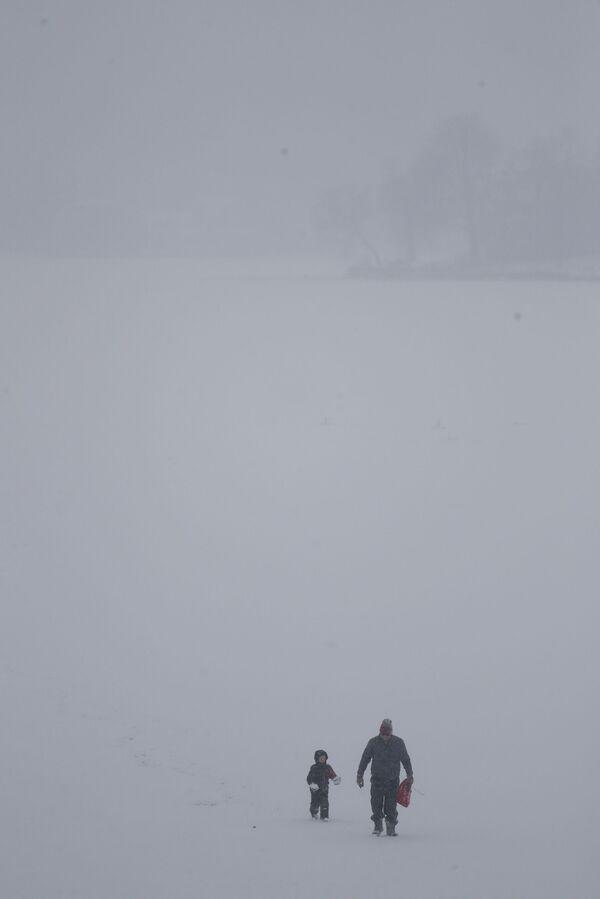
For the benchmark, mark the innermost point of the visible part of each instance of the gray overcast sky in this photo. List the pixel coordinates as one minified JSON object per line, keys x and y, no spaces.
{"x":181,"y":109}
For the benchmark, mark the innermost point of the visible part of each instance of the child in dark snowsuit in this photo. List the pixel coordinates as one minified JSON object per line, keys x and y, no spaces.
{"x":318,"y":780}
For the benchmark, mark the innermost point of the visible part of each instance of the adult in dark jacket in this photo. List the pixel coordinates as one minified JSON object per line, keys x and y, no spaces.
{"x":386,"y":753}
{"x":318,"y":781}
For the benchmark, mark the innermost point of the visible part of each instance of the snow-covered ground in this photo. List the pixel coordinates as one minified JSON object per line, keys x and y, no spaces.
{"x":244,"y":519}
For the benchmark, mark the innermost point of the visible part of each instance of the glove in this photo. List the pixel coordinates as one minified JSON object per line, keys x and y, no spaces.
{"x":360,"y":780}
{"x":314,"y":787}
{"x":410,"y":780}
{"x":337,"y":780}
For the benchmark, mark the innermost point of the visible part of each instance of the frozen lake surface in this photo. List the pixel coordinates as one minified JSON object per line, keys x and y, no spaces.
{"x":246,"y":518}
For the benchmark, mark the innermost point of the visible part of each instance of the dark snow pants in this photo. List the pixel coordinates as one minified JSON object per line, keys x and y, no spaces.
{"x":319,"y":803}
{"x":383,"y":800}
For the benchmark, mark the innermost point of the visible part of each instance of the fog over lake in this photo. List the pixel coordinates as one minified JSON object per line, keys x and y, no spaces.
{"x":299,"y":331}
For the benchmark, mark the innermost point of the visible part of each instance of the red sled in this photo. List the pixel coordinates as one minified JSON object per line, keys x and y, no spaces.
{"x":403,"y":794}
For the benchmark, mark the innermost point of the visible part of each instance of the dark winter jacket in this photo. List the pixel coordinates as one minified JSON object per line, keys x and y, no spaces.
{"x":385,"y":758}
{"x":321,"y":775}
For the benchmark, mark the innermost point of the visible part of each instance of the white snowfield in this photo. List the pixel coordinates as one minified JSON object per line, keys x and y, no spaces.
{"x":246,"y":519}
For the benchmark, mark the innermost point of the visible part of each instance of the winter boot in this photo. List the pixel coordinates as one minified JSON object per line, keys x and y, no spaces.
{"x":390,"y":829}
{"x":378,"y":827}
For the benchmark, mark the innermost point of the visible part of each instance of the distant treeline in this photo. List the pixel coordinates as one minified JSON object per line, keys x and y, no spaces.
{"x":461,"y":198}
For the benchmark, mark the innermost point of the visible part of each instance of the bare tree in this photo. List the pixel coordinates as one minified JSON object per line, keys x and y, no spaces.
{"x":446,"y":184}
{"x":545,"y":205}
{"x":346,"y":210}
